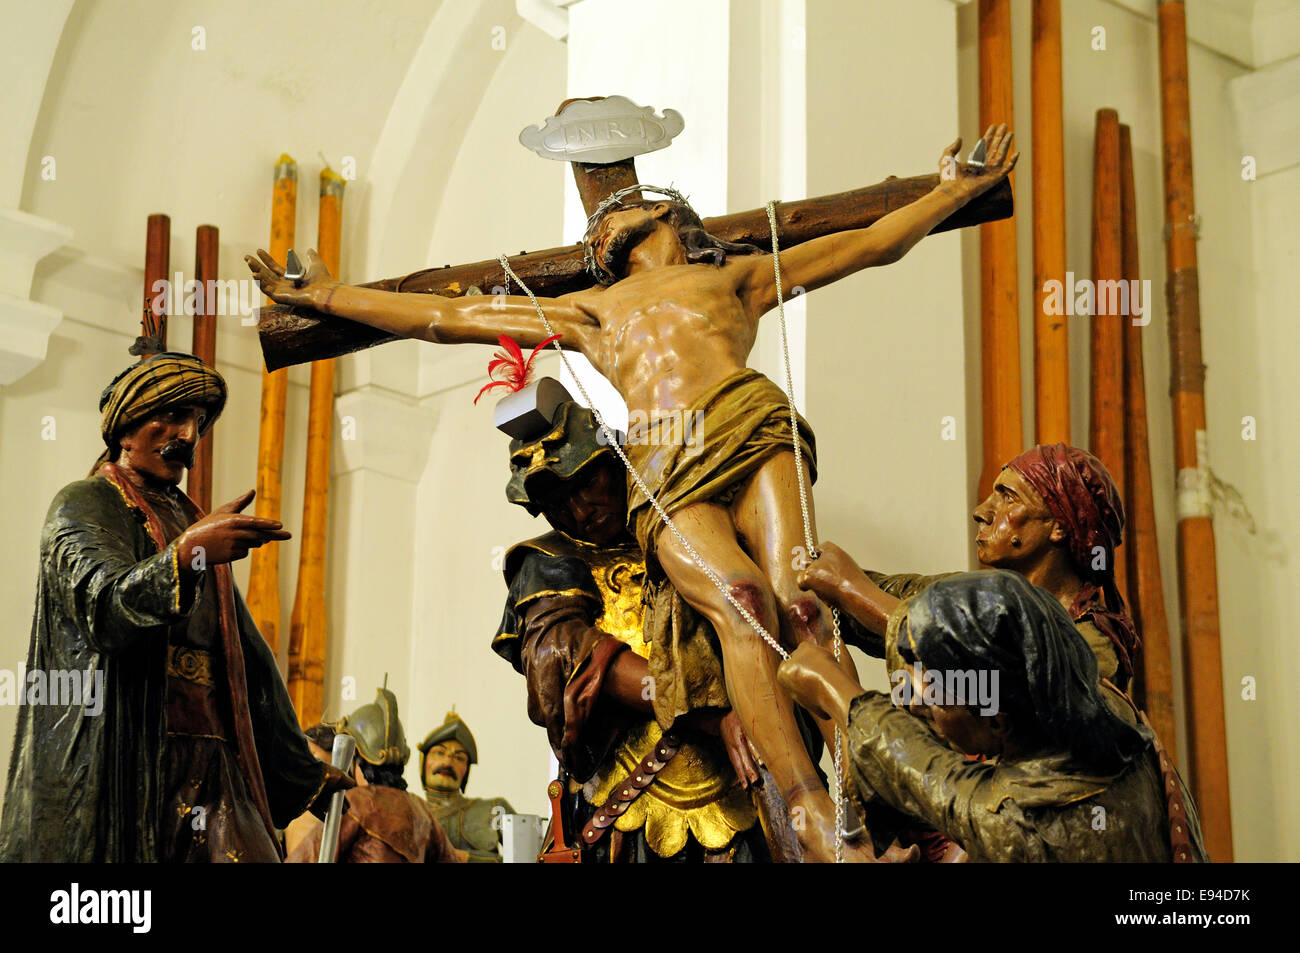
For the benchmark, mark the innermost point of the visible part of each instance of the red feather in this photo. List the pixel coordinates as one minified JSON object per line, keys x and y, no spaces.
{"x":510,"y":368}
{"x":511,"y":345}
{"x":488,"y":387}
{"x":533,"y":356}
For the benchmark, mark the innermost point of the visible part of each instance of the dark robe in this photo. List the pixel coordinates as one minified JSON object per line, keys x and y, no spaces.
{"x":87,"y":787}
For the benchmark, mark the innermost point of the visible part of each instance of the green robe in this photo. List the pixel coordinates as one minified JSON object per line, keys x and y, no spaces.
{"x":1038,"y":809}
{"x":88,"y":787}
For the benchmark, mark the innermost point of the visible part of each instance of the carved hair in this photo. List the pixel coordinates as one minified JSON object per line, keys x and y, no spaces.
{"x":322,"y":736}
{"x":383,"y":775}
{"x":700,"y":246}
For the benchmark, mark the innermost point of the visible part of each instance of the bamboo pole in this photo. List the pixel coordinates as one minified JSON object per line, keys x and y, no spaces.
{"x":1198,"y":590}
{"x":264,"y":567}
{"x":308,"y":628}
{"x":206,"y":260}
{"x":1051,"y":331}
{"x":1107,"y":331}
{"x":999,"y":284}
{"x":157,"y":263}
{"x":1146,"y":588}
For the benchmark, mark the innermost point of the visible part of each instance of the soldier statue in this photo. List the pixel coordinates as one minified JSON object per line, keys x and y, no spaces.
{"x":472,"y":824}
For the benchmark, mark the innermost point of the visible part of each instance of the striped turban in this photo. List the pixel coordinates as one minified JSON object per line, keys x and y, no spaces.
{"x":169,"y":379}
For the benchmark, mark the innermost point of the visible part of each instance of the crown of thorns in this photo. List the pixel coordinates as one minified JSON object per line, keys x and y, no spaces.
{"x":596,"y":270}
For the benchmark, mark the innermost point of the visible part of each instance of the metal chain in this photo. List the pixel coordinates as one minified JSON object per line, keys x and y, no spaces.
{"x":613,"y":443}
{"x":807,"y":520}
{"x":789,"y":387}
{"x":836,"y":641}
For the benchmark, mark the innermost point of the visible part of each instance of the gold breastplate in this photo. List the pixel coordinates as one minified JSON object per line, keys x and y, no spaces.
{"x":697,"y":791}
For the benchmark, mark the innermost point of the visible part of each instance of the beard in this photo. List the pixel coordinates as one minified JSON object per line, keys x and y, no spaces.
{"x":614,"y":255}
{"x":179,"y":451}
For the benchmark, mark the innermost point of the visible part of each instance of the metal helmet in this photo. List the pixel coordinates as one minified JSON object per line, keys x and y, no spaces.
{"x":378,"y":731}
{"x":453,"y":729}
{"x":572,"y":441}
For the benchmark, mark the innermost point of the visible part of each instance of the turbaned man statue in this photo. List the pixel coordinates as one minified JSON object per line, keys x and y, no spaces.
{"x":193,"y":751}
{"x":671,"y":324}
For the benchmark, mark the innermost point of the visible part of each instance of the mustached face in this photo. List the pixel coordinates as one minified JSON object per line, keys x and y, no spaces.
{"x":161,"y":447}
{"x":179,"y":451}
{"x":445,"y":765}
{"x":621,"y":233}
{"x":968,"y":732}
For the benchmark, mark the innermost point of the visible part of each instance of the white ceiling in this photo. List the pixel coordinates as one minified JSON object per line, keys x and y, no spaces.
{"x":138,"y":120}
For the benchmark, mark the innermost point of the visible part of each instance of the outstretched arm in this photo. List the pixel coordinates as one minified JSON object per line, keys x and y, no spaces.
{"x":836,"y":578}
{"x":826,"y":259}
{"x":477,"y":319}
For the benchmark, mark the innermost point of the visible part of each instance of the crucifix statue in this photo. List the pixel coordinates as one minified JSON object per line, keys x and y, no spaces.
{"x":668,"y":311}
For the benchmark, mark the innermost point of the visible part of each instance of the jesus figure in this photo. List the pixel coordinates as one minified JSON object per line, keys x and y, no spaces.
{"x":671,"y":324}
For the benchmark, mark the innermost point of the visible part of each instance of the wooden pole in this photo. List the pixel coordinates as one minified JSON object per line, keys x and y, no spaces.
{"x":1146,"y":592}
{"x":299,"y":335}
{"x":308,"y":629}
{"x":1051,"y":331}
{"x":206,"y":261}
{"x":1198,"y":588}
{"x":157,"y":263}
{"x":999,"y":283}
{"x":264,"y":567}
{"x":1107,"y":338}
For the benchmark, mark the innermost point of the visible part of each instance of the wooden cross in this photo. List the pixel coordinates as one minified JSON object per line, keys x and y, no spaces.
{"x":296,"y":335}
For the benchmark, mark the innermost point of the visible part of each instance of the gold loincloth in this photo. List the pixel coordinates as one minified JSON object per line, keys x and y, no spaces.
{"x":727,"y":434}
{"x":730,"y":431}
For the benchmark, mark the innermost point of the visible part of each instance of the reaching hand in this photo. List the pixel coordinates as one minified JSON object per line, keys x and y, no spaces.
{"x":335,"y":780}
{"x":725,"y":724}
{"x":896,"y":853}
{"x":827,"y":574}
{"x":998,"y":162}
{"x":225,"y":535}
{"x":309,"y":291}
{"x":744,"y":756}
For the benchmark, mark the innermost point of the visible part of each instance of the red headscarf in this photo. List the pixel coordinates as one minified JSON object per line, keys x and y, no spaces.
{"x":1083,"y":498}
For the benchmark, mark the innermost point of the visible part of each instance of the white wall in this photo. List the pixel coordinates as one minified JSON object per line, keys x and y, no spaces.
{"x":1250,"y":349}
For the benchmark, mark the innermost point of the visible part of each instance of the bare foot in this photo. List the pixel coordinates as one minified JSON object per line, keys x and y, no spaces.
{"x":812,"y":814}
